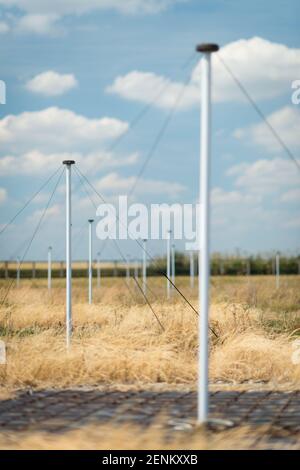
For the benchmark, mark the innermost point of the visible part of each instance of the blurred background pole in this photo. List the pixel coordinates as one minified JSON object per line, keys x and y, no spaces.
{"x":173,"y":264}
{"x":18,"y":271}
{"x":192,"y":270}
{"x":144,"y":267}
{"x":277,"y":264}
{"x":49,"y":268}
{"x":98,"y":270}
{"x":203,"y":230}
{"x":68,"y":164}
{"x":136,"y":269}
{"x":91,"y":261}
{"x":127,"y":268}
{"x":168,"y":262}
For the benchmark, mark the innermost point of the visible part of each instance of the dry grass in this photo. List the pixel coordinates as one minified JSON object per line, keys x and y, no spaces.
{"x":117,"y":340}
{"x":92,"y":437}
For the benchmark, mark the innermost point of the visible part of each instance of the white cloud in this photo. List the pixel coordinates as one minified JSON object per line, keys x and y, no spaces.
{"x":35,"y":162}
{"x":113,"y":183}
{"x":285,"y":121}
{"x":265,"y":176}
{"x":291,"y":196}
{"x":56,"y":129}
{"x":148,"y":87}
{"x":4,"y":27}
{"x":40,"y":24}
{"x":220,"y":197}
{"x":43,"y":17}
{"x":33,"y":142}
{"x":52,"y":211}
{"x":51,"y":83}
{"x":265,"y":68}
{"x":75,"y":7}
{"x":3,"y":195}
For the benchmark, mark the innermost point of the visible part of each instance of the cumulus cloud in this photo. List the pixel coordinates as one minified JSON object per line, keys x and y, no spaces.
{"x":265,"y":68}
{"x":113,"y":183}
{"x":34,"y":162}
{"x":148,"y":87}
{"x":76,"y":7}
{"x":292,"y":195}
{"x":56,"y":129}
{"x":40,"y":24}
{"x":3,"y":195}
{"x":34,"y":141}
{"x":285,"y":121}
{"x":4,"y":27}
{"x":51,"y":83}
{"x":220,"y":197}
{"x":265,"y":176}
{"x":43,"y":17}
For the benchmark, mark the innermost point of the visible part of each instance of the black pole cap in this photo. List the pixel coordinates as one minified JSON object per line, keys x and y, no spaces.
{"x":91,"y":220}
{"x":68,"y":162}
{"x":207,"y":47}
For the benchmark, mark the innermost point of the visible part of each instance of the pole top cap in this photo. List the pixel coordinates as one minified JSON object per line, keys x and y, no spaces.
{"x":68,"y":162}
{"x":91,"y":220}
{"x":207,"y":47}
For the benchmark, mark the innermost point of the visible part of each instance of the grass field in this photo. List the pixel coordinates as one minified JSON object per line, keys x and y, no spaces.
{"x":117,"y":340}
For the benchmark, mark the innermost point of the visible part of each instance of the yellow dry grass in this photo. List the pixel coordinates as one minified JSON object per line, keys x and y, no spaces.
{"x":118,"y":341}
{"x":129,"y":437}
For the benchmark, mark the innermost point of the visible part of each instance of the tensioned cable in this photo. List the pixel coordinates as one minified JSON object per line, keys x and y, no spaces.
{"x":162,"y":273}
{"x":115,"y":241}
{"x":34,"y":233}
{"x":160,"y":135}
{"x":259,"y":112}
{"x":29,"y":201}
{"x":146,"y":108}
{"x":150,"y":306}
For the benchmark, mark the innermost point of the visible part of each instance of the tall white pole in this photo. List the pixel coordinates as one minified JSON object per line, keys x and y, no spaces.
{"x":168,"y":263}
{"x":68,"y":164}
{"x":204,"y":263}
{"x":173,"y":263}
{"x":90,"y":261}
{"x":144,"y":267}
{"x":192,"y":270}
{"x":49,"y":268}
{"x":98,"y":271}
{"x":277,"y":264}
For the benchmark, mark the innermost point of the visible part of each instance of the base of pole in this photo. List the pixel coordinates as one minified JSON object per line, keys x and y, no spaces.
{"x":212,"y":424}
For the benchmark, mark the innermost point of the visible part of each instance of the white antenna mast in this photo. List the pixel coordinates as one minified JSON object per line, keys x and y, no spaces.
{"x":68,"y":164}
{"x":204,"y":263}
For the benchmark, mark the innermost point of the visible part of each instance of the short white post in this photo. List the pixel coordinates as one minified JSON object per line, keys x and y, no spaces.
{"x":168,"y":263}
{"x":173,"y":274}
{"x":68,"y":164}
{"x":277,"y":264}
{"x":192,"y":270}
{"x":49,"y":268}
{"x":204,"y":262}
{"x":144,"y":267}
{"x":90,"y":261}
{"x":18,"y":271}
{"x":98,"y":271}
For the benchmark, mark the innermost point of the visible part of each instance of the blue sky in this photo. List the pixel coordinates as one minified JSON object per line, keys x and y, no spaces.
{"x":70,"y":65}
